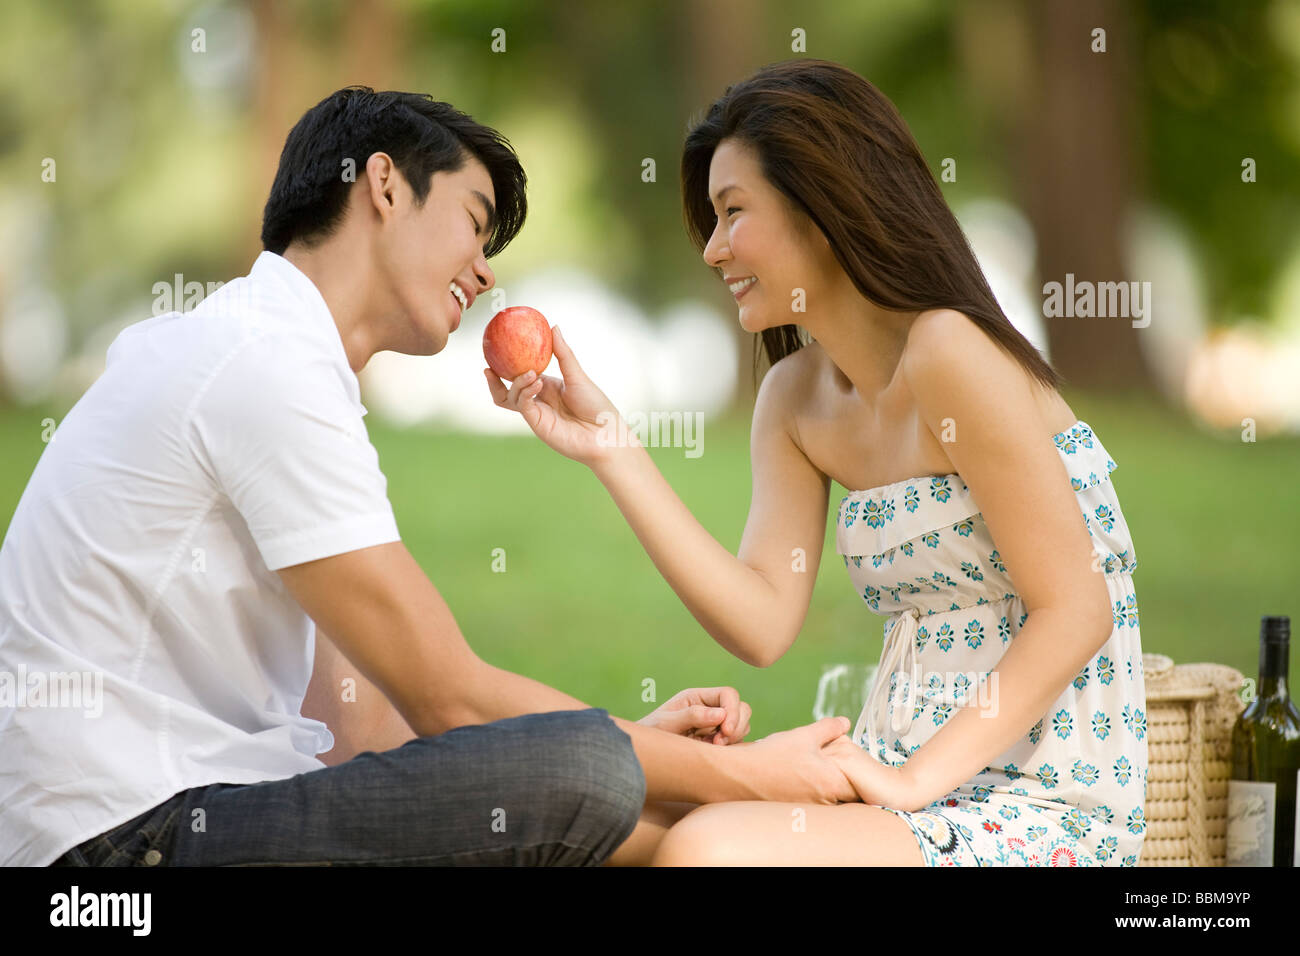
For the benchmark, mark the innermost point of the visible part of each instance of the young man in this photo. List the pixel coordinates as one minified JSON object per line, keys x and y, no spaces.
{"x":214,"y":497}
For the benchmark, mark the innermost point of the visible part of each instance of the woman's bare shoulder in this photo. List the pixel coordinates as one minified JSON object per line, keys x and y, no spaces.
{"x":941,"y":325}
{"x":791,"y":390}
{"x":961,"y":338}
{"x":795,"y":376}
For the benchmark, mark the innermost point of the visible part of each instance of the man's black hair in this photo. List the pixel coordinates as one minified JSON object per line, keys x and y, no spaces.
{"x":423,"y":137}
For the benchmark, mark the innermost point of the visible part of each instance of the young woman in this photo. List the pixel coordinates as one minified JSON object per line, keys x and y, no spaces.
{"x":1007,"y":723}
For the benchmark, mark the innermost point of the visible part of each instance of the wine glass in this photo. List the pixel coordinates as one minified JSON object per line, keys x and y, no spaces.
{"x":842,"y":691}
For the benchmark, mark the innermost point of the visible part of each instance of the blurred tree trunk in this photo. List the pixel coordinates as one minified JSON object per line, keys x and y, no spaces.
{"x":714,"y":60}
{"x":291,"y":79}
{"x":372,"y":52}
{"x":275,"y":66}
{"x":1065,"y":116}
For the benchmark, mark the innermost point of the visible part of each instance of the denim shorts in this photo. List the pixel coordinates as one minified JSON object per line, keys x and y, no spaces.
{"x":561,"y":788}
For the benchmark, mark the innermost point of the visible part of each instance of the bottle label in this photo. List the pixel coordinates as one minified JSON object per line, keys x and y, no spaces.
{"x":1251,"y":812}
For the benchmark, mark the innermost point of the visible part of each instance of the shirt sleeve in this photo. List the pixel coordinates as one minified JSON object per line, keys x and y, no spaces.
{"x":285,"y":442}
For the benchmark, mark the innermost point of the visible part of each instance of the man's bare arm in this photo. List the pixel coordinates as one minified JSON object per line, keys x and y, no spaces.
{"x":389,"y":621}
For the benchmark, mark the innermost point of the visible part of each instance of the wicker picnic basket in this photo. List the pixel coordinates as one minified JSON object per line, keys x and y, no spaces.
{"x":1190,"y":712}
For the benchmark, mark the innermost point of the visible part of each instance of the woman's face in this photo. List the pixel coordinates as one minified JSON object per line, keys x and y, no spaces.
{"x":759,"y":237}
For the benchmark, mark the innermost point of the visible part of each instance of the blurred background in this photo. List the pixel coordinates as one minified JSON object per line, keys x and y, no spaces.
{"x":1113,"y":140}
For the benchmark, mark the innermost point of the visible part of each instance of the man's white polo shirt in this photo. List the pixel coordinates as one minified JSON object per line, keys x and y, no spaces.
{"x":146,"y":643}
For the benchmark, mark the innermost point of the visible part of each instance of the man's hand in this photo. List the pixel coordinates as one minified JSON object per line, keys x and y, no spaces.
{"x":712,"y":714}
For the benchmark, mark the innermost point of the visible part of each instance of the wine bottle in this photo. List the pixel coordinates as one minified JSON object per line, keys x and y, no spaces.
{"x":1263,"y":829}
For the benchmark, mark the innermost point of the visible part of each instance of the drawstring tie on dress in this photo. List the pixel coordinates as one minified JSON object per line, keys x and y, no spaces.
{"x":898,"y":657}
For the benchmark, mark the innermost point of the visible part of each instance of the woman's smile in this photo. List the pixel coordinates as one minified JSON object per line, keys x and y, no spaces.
{"x":738,"y":289}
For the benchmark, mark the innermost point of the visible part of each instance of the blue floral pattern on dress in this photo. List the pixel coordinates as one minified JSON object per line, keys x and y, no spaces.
{"x":876,"y":513}
{"x":1072,"y":791}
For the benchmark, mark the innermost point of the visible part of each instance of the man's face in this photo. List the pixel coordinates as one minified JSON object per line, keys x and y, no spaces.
{"x":423,"y":250}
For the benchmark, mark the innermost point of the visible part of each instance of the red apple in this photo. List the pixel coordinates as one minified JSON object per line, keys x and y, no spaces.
{"x":517,"y":340}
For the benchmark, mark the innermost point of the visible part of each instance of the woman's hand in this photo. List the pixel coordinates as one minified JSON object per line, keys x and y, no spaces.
{"x":570,"y":414}
{"x":794,"y":766}
{"x":875,"y":782}
{"x":713,"y":714}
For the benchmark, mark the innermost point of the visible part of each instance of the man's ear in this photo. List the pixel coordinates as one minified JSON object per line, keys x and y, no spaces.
{"x":383,"y":183}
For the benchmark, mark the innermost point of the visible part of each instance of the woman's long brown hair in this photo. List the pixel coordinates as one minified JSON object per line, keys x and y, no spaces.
{"x":838,"y":149}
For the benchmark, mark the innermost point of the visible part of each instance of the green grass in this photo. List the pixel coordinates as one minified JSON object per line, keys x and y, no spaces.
{"x":581,"y":607}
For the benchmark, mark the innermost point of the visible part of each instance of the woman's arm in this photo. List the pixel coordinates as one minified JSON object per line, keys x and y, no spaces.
{"x":753,"y":603}
{"x":963,"y":381}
